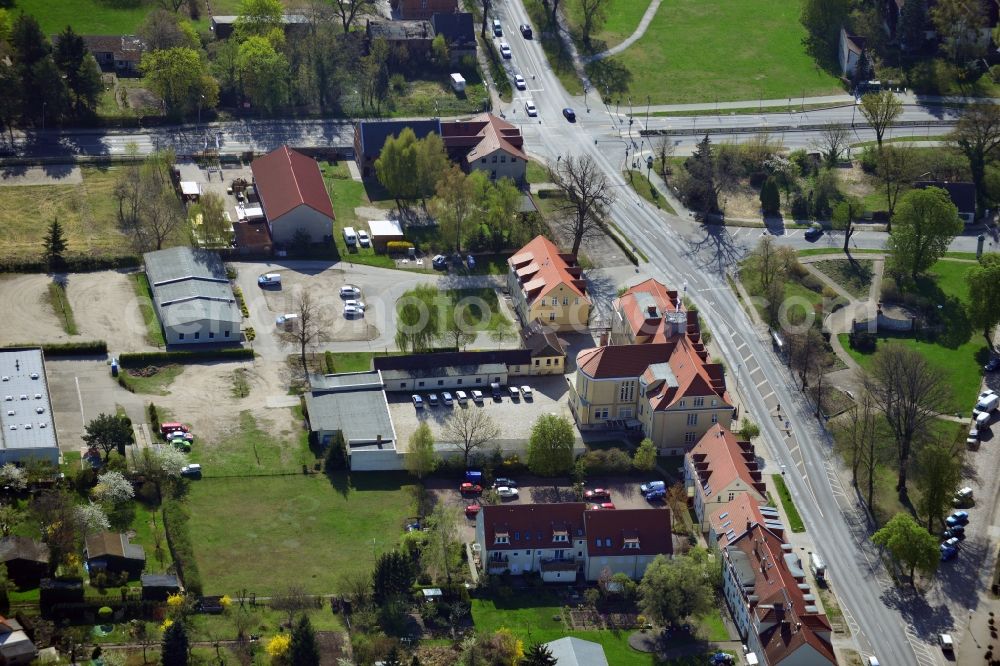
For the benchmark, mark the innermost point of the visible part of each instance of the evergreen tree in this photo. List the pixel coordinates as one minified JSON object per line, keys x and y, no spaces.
{"x":31,"y":55}
{"x":770,"y":197}
{"x":55,"y":245}
{"x":699,"y":190}
{"x":910,"y":27}
{"x":304,"y":650}
{"x":175,"y":646}
{"x":392,"y":577}
{"x":538,"y":655}
{"x":79,"y":69}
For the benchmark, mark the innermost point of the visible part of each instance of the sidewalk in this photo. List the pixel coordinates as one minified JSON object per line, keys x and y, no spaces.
{"x":907,"y":98}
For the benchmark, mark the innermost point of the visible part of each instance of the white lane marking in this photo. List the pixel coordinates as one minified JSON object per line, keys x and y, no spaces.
{"x":79,"y":397}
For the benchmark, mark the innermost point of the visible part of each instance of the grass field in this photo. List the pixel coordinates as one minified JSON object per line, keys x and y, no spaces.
{"x":61,"y":307}
{"x":701,"y":50}
{"x":154,"y":333}
{"x":346,"y":194}
{"x":623,"y":19}
{"x":249,"y":450}
{"x":264,"y":534}
{"x":855,"y":278}
{"x":91,"y":17}
{"x":637,"y":179}
{"x":155,"y":384}
{"x":794,"y":519}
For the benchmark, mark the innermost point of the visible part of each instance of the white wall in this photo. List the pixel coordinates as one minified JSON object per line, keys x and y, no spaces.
{"x":204,"y":331}
{"x":431,"y":384}
{"x":376,"y":460}
{"x":313,"y":222}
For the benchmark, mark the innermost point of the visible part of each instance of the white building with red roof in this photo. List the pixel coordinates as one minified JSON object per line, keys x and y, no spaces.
{"x":548,"y":285}
{"x":293,"y":196}
{"x":719,"y":469}
{"x":736,"y":517}
{"x":772,"y":604}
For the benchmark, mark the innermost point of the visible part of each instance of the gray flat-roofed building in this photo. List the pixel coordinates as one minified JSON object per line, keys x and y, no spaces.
{"x":192,"y":296}
{"x":451,"y":370}
{"x":354,"y":406}
{"x":29,"y":431}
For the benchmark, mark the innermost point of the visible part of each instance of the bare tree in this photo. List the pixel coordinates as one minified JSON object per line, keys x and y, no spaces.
{"x":860,"y":434}
{"x":308,"y":327}
{"x":470,"y":429}
{"x":833,"y":141}
{"x":806,"y":354}
{"x":172,"y":5}
{"x":148,"y":208}
{"x":587,"y":195}
{"x":910,"y":393}
{"x":663,"y":150}
{"x":845,"y":214}
{"x":348,"y":10}
{"x":162,"y":216}
{"x":770,"y":261}
{"x":293,"y":600}
{"x":894,"y":170}
{"x":595,"y":12}
{"x":977,"y":135}
{"x":457,"y":333}
{"x":880,"y":110}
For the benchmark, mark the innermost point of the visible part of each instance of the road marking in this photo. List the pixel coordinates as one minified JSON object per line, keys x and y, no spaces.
{"x":79,"y":397}
{"x":767,"y":396}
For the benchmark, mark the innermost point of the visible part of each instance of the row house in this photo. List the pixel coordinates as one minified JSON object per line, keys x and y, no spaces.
{"x":718,"y":469}
{"x":562,"y":542}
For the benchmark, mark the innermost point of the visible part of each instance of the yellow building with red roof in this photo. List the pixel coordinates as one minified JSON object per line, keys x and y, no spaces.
{"x":548,"y":285}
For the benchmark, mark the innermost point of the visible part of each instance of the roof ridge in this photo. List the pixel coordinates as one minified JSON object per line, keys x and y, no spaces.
{"x":295,"y":177}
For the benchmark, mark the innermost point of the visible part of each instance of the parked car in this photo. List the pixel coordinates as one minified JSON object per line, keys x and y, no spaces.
{"x":461,"y":397}
{"x":286,"y":321}
{"x":496,"y":390}
{"x":418,"y":402}
{"x":652,"y":485}
{"x":602,"y":505}
{"x":470,"y":488}
{"x":350,"y":291}
{"x":432,"y":400}
{"x":597,"y":494}
{"x":515,"y":392}
{"x":993,"y":364}
{"x":988,"y":401}
{"x":471,"y":510}
{"x":446,"y":398}
{"x":364,"y":240}
{"x":353,"y":311}
{"x":526,"y":393}
{"x":504,"y":481}
{"x":191,"y":471}
{"x":946,"y":642}
{"x":355,"y":303}
{"x":167,"y":428}
{"x":654,"y":495}
{"x":525,"y":30}
{"x":872,"y":661}
{"x":269,"y":280}
{"x":505,"y":50}
{"x":957,"y":532}
{"x":814,"y":231}
{"x":506,"y":492}
{"x":957,"y":518}
{"x":963,"y":496}
{"x":477,"y":397}
{"x":440,"y":262}
{"x":948,"y":552}
{"x":569,"y":114}
{"x":497,"y":29}
{"x":530,"y":108}
{"x":519,"y":82}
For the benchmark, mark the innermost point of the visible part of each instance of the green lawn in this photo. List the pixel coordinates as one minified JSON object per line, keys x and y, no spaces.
{"x":346,"y":194}
{"x":264,"y":534}
{"x":623,"y":19}
{"x":249,"y":450}
{"x":855,"y":277}
{"x":701,"y":50}
{"x":637,"y":179}
{"x":154,"y":332}
{"x":155,"y":384}
{"x":62,"y":308}
{"x":794,"y":519}
{"x":88,"y":17}
{"x":537,"y":172}
{"x":556,"y":53}
{"x":480,"y":308}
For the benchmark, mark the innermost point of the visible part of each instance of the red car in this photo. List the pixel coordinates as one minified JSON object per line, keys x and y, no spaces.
{"x":470,"y":488}
{"x":472,"y":510}
{"x":597,"y":494}
{"x":602,"y":505}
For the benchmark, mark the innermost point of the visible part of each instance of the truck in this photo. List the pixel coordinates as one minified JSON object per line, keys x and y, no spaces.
{"x":818,"y":568}
{"x":350,"y":236}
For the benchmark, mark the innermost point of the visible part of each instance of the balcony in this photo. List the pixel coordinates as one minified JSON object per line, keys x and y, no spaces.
{"x":497,"y":566}
{"x":554,"y":564}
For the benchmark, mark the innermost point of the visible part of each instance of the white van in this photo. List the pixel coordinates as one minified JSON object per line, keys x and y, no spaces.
{"x":963,"y":496}
{"x":350,"y":236}
{"x":269,"y":280}
{"x":983,"y":420}
{"x":287,"y":322}
{"x":987,"y":403}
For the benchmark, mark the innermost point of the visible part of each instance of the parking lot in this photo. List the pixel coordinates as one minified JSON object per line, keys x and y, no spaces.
{"x":514,"y":416}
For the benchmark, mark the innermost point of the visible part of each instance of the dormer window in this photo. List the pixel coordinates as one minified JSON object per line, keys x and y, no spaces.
{"x":501,"y":538}
{"x":560,"y":537}
{"x":632,"y":543}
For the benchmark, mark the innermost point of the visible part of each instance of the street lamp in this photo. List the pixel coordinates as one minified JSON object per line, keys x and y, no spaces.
{"x":200,"y":102}
{"x":44,"y":104}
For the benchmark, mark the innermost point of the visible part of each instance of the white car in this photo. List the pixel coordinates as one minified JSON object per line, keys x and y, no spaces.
{"x":350,"y":291}
{"x":530,"y":108}
{"x":872,"y":661}
{"x":433,"y":399}
{"x":526,"y":392}
{"x":446,"y":398}
{"x":505,"y":50}
{"x":357,"y":304}
{"x":477,"y":397}
{"x":364,"y":240}
{"x":418,"y":402}
{"x":514,"y":392}
{"x":507,"y":493}
{"x":194,"y":469}
{"x":353,"y":311}
{"x":519,"y":82}
{"x":462,"y":397}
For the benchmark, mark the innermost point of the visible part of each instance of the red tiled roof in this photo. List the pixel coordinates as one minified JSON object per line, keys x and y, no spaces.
{"x":551,"y":269}
{"x":286,"y":179}
{"x":484,"y":133}
{"x":531,"y":525}
{"x":635,"y":305}
{"x":612,"y":361}
{"x":780,"y":604}
{"x":720,"y":460}
{"x":651,"y":527}
{"x":735,"y":516}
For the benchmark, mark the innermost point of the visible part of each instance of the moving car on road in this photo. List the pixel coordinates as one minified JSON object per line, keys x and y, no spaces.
{"x":530,"y":108}
{"x":497,"y":29}
{"x":505,"y":50}
{"x":519,"y":82}
{"x":525,"y":30}
{"x":814,"y":231}
{"x":569,"y":114}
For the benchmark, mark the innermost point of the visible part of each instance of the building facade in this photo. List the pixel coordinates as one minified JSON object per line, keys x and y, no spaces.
{"x":547,"y":285}
{"x":719,"y":469}
{"x":293,"y":196}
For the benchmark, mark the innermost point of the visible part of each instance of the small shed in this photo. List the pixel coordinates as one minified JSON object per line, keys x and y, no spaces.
{"x":384,"y":231}
{"x":157,"y":587}
{"x":432,"y":593}
{"x":190,"y":190}
{"x":27,"y":560}
{"x":60,"y":591}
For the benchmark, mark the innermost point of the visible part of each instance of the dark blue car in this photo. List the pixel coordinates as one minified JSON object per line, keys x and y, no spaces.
{"x":654,"y":495}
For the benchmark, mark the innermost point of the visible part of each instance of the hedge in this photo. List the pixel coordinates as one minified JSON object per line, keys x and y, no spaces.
{"x":142,"y":359}
{"x":88,"y":348}
{"x":71,"y":264}
{"x":175,"y":523}
{"x":624,"y":246}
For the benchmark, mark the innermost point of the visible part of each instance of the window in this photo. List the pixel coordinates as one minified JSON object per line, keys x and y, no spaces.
{"x":494,"y":159}
{"x":601,"y":413}
{"x":181,"y":336}
{"x":479,"y":380}
{"x":459,"y":382}
{"x":548,"y":361}
{"x":197,"y":335}
{"x":699,"y":402}
{"x":503,"y":159}
{"x":555,"y":300}
{"x":537,"y":362}
{"x":565,"y":300}
{"x":560,"y":537}
{"x":689,"y":438}
{"x":211,"y":334}
{"x":714,"y":402}
{"x":577,"y":300}
{"x":493,"y":174}
{"x":552,"y":316}
{"x":527,"y":535}
{"x":440,"y":382}
{"x":420,"y":384}
{"x":560,"y":554}
{"x":682,"y":403}
{"x":632,"y":544}
{"x":597,"y":542}
{"x":225,"y":334}
{"x":502,"y":538}
{"x":513,"y":159}
{"x":624,"y":412}
{"x":626,"y":392}
{"x":483,"y":160}
{"x":402,"y":385}
{"x":692,"y":419}
{"x":715,"y":417}
{"x":517,"y":536}
{"x":607,"y":542}
{"x":732,"y":496}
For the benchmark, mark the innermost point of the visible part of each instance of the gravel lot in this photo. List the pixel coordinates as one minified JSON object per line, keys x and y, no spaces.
{"x":106,"y":308}
{"x":27,"y":315}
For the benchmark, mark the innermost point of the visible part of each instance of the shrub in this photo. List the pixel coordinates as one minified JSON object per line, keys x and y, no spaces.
{"x":93,"y":347}
{"x":863,"y":341}
{"x":72,"y":264}
{"x":869,"y":159}
{"x":328,"y":362}
{"x":890,"y":290}
{"x":142,"y":359}
{"x":811,"y":282}
{"x":401,"y":247}
{"x":829,"y":292}
{"x":800,"y":207}
{"x":175,"y":524}
{"x":607,"y":461}
{"x":238,"y":293}
{"x":250,"y":334}
{"x":154,"y":417}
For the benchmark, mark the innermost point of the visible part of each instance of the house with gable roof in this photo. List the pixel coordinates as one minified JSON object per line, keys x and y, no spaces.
{"x":548,"y":285}
{"x":650,"y":312}
{"x":293,"y":196}
{"x":719,"y":469}
{"x":487,"y":143}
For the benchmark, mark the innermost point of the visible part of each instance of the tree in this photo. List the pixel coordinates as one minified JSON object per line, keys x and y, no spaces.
{"x":834,"y":139}
{"x":673,"y":590}
{"x":457,"y":333}
{"x":172,"y":5}
{"x":348,"y":10}
{"x":538,"y":655}
{"x":502,"y":330}
{"x":79,"y":70}
{"x":977,"y":135}
{"x":910,"y":392}
{"x":644,"y":458}
{"x":863,"y":443}
{"x":748,"y":430}
{"x":264,"y":72}
{"x":294,"y":599}
{"x":770,"y":197}
{"x":822,"y":20}
{"x":587,"y":195}
{"x":10,"y":101}
{"x":421,"y":458}
{"x":43,"y":93}
{"x":174,"y":651}
{"x":432,"y":162}
{"x":180,"y":77}
{"x":469,"y":430}
{"x":894,"y":170}
{"x":113,"y":488}
{"x":880,"y":109}
{"x":498,"y":202}
{"x":454,"y":204}
{"x":91,"y":519}
{"x":392,"y":577}
{"x":926,"y":222}
{"x":663,"y":150}
{"x":806,"y":353}
{"x":54,"y":244}
{"x":212,"y":209}
{"x":910,"y":28}
{"x":304,"y":649}
{"x":909,"y":544}
{"x":310,"y":326}
{"x":960,"y":24}
{"x":771,"y":262}
{"x":10,"y":517}
{"x":374,"y":86}
{"x":699,"y":189}
{"x":595,"y":13}
{"x":108,"y":433}
{"x":396,"y":167}
{"x":938,"y":473}
{"x":441,"y":555}
{"x":845,"y":214}
{"x":259,"y":18}
{"x":550,"y":446}
{"x":162,"y":29}
{"x":418,"y":314}
{"x":13,"y":477}
{"x":984,"y":295}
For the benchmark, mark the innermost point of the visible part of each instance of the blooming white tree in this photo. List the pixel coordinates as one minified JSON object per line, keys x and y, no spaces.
{"x":13,"y":477}
{"x":90,"y":518}
{"x":113,"y":488}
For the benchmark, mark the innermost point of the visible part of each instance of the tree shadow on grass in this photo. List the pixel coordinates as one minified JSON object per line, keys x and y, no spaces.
{"x":950,"y":326}
{"x":609,"y":77}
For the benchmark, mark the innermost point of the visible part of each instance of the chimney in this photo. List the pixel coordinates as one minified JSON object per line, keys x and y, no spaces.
{"x":749,"y":524}
{"x":604,"y":340}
